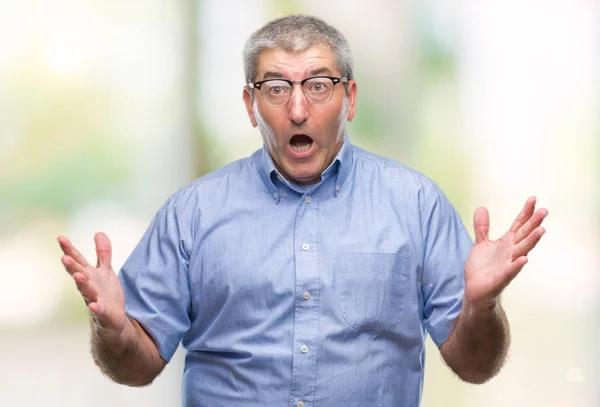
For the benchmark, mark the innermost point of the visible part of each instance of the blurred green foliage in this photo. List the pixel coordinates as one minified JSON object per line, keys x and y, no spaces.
{"x":65,"y":152}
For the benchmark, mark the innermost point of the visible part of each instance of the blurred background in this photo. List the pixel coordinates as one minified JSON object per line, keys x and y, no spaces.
{"x":108,"y":107}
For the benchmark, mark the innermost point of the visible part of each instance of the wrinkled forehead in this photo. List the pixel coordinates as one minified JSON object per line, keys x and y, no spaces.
{"x":277,"y":63}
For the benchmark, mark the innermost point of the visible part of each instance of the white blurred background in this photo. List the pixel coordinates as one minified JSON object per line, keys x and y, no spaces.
{"x":108,"y":107}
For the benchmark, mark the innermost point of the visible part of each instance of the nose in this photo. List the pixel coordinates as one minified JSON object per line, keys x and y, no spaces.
{"x":298,"y":106}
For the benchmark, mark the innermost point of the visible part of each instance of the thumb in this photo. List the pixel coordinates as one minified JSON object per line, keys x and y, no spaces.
{"x":481,"y":224}
{"x":103,"y":249}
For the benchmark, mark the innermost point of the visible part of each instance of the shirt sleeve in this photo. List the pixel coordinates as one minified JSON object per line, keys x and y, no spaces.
{"x":446,"y":247}
{"x":155,"y":280}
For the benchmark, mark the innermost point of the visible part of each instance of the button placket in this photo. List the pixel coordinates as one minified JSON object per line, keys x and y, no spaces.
{"x":305,"y":312}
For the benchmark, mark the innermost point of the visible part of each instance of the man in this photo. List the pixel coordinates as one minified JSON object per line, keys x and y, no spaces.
{"x":309,"y":273}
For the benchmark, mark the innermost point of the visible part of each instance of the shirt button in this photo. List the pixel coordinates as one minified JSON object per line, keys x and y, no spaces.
{"x":306,"y":295}
{"x":337,"y":187}
{"x":300,"y":404}
{"x":308,"y":199}
{"x":304,"y":349}
{"x":275,"y":195}
{"x":305,"y":246}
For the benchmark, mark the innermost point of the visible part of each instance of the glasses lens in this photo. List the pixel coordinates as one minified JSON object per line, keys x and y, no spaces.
{"x":276,"y":93}
{"x":318,"y":90}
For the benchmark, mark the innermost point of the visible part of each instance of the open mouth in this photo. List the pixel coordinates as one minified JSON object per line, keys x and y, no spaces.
{"x":301,"y":143}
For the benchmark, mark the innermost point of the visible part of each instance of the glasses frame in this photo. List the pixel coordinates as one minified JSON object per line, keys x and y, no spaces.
{"x":301,"y":82}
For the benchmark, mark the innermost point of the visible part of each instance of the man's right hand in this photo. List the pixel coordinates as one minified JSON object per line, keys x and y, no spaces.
{"x":99,"y":286}
{"x":120,"y":346}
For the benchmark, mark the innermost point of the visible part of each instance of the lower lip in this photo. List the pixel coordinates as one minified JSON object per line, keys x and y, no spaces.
{"x":303,"y":154}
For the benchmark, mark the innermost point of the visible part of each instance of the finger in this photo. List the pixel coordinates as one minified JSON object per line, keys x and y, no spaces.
{"x":103,"y":249}
{"x":72,"y":266}
{"x":524,"y":215}
{"x":481,"y":224}
{"x":526,"y":245}
{"x":95,"y":308}
{"x":514,"y":269}
{"x":535,"y":221}
{"x":98,"y":314}
{"x":70,"y":250}
{"x":86,"y":288}
{"x":98,"y":309}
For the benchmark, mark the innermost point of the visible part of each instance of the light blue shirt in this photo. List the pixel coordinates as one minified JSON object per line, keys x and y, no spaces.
{"x":283,"y":296}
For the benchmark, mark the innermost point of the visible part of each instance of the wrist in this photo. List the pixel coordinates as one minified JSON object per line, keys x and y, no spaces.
{"x":481,"y":309}
{"x":114,"y":337}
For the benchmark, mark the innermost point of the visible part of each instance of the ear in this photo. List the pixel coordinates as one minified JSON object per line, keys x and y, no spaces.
{"x":248,"y":102}
{"x":352,"y":92}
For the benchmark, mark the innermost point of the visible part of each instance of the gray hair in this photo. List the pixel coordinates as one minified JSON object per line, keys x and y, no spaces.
{"x":293,"y":34}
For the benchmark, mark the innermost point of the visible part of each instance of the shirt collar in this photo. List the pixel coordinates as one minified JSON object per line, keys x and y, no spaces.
{"x":340,"y":168}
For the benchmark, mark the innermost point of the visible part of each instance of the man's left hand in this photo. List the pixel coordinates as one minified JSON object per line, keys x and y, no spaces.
{"x":492,"y":264}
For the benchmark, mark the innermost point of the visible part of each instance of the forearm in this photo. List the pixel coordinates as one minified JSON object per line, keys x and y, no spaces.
{"x":130,"y":358}
{"x":477,"y":348}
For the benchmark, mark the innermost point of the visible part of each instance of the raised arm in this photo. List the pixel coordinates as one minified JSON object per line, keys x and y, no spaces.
{"x":120,"y":346}
{"x":477,"y":347}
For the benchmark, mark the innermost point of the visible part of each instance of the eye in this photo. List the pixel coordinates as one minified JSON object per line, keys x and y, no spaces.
{"x":318,"y":86}
{"x":277,"y":88}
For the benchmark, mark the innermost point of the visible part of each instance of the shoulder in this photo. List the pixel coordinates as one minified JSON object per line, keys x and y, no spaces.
{"x":234,"y":172}
{"x":216,"y":185}
{"x":372,"y":167}
{"x":408,"y":190}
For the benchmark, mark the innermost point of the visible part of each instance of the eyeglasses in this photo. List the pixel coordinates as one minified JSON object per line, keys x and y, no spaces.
{"x":317,"y":89}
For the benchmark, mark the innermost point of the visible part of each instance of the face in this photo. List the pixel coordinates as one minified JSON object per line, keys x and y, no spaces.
{"x":302,"y":138}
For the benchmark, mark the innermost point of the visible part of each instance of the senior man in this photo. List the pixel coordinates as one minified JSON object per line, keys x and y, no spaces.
{"x":309,"y":273}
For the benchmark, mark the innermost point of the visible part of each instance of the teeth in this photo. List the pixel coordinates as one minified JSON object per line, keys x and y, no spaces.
{"x":301,"y":149}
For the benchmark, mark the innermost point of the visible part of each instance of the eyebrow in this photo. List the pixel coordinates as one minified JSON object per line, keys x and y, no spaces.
{"x":313,"y":72}
{"x":273,"y":74}
{"x":320,"y":71}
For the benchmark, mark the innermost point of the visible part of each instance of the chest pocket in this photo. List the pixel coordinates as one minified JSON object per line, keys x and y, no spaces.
{"x":373,"y":287}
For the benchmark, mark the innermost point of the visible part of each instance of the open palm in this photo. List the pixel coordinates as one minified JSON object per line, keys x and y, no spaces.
{"x":99,"y":286}
{"x":492,"y":264}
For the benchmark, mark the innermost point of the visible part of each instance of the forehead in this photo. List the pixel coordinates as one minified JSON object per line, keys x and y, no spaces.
{"x":296,"y":65}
